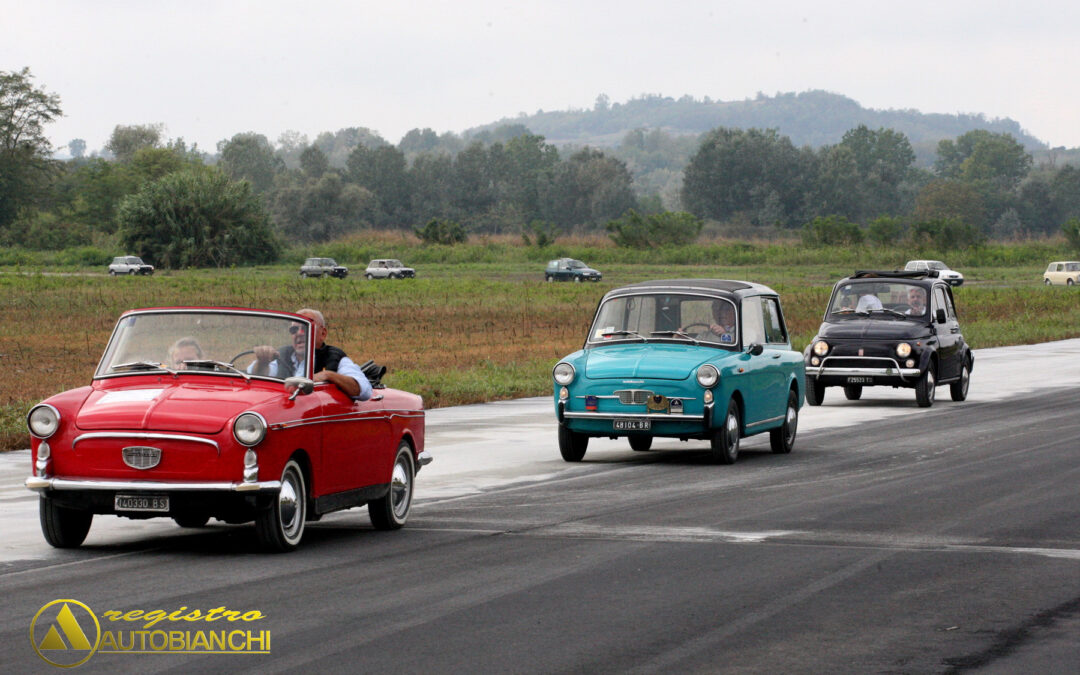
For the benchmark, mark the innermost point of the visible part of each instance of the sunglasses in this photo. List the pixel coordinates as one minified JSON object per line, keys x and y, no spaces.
{"x":296,"y":328}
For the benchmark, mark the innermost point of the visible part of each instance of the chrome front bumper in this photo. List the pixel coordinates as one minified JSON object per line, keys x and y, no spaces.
{"x":41,"y":484}
{"x":661,"y":417}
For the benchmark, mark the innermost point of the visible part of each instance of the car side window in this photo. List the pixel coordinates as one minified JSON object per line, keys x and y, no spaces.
{"x":753,"y":323}
{"x":774,"y":322}
{"x":949,"y":309}
{"x":939,"y":302}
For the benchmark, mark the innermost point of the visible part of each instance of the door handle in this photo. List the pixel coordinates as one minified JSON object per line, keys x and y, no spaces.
{"x":954,"y":329}
{"x":776,"y":356}
{"x":376,"y":397}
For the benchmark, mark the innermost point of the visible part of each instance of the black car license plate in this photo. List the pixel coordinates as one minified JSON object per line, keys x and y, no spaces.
{"x":141,"y":503}
{"x":860,"y":380}
{"x":633,"y":425}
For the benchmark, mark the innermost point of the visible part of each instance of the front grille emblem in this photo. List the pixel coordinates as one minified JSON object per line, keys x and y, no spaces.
{"x":142,"y":457}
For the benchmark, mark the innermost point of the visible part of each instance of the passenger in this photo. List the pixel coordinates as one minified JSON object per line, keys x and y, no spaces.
{"x":868,"y":300}
{"x":916,"y":301}
{"x":331,"y":363}
{"x":184,"y":349}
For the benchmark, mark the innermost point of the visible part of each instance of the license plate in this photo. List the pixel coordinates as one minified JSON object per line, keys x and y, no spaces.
{"x":860,"y":380}
{"x":633,"y":425}
{"x":141,"y":503}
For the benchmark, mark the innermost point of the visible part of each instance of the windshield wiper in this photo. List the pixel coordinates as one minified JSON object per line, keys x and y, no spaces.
{"x":678,"y":333}
{"x":625,"y":332}
{"x":140,"y":365}
{"x":216,"y":364}
{"x":891,"y":311}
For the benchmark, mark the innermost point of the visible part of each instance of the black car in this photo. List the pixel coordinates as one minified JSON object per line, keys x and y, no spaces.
{"x":896,"y":329}
{"x":568,"y":269}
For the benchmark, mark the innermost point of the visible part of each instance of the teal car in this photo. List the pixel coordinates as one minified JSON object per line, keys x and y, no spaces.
{"x":686,"y":358}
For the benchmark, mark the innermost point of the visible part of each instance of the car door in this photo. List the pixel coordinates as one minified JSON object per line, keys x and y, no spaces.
{"x":356,"y":439}
{"x":758,"y":376}
{"x":948,"y":334}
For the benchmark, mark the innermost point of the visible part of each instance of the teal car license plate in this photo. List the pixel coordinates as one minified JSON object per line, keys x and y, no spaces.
{"x":141,"y":503}
{"x":633,"y":425}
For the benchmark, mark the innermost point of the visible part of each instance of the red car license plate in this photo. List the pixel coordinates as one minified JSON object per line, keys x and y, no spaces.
{"x":633,"y":425}
{"x":141,"y":503}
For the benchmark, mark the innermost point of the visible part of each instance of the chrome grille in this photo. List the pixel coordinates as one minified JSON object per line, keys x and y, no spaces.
{"x":633,"y":396}
{"x":141,"y":456}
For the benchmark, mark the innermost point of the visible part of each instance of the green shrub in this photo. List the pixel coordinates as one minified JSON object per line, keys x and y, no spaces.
{"x":831,"y":231}
{"x":442,"y":232}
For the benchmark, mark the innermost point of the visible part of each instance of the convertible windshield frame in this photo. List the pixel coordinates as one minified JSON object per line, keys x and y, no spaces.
{"x":661,"y":327}
{"x":141,"y":341}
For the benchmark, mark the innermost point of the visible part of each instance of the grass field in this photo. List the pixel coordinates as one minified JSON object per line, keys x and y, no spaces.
{"x":459,"y":333}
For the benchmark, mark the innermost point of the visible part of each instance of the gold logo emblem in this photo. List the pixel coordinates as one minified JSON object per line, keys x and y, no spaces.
{"x":65,"y":633}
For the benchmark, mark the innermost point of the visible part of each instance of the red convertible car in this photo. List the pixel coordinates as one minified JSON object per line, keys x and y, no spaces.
{"x":177,"y":423}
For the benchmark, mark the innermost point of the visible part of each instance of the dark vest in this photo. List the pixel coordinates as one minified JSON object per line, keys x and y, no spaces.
{"x":327,"y":357}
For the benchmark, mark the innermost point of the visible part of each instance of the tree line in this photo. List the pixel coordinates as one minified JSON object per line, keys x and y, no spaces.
{"x":180,"y":207}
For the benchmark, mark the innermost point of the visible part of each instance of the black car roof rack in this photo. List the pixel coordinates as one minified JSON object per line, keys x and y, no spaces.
{"x":895,"y":274}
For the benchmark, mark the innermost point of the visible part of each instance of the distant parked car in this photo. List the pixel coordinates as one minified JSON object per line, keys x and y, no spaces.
{"x":894,"y":329}
{"x":1064,"y":273}
{"x":129,"y":264}
{"x":388,"y":268}
{"x":323,"y":267}
{"x":949,"y":276}
{"x":568,"y":269}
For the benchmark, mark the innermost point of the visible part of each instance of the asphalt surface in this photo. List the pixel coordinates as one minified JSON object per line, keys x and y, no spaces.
{"x":892,"y":540}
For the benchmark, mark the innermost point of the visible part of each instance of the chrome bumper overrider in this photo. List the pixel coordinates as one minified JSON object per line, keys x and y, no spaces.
{"x":40,"y":484}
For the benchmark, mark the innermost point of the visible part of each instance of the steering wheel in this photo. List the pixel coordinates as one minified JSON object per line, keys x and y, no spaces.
{"x":686,"y":328}
{"x":901,"y":307}
{"x":232,"y":361}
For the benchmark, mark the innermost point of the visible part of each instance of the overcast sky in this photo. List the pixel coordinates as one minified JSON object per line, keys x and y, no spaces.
{"x":208,"y":70}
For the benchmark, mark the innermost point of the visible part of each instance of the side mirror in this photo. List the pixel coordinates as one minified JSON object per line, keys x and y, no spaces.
{"x":940,"y":316}
{"x":755,"y":349}
{"x":298,"y":385}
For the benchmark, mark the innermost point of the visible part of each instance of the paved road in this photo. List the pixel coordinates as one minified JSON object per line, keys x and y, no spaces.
{"x":893,"y":539}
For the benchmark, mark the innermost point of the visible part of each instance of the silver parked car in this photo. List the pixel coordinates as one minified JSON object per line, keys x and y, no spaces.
{"x":388,"y":268}
{"x":323,"y":267}
{"x":129,"y":264}
{"x":949,"y":276}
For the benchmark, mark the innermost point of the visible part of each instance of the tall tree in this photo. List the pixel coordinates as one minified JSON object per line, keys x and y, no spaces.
{"x":25,"y":164}
{"x":249,"y":156}
{"x":125,"y":141}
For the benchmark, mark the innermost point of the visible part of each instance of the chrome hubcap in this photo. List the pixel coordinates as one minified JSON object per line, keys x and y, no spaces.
{"x":400,"y":490}
{"x":288,"y":506}
{"x":792,"y":420}
{"x":732,"y":433}
{"x":931,"y":387}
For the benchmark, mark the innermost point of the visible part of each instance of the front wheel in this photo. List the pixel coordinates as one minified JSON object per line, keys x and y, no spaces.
{"x":815,"y":391}
{"x":131,"y":273}
{"x":926,"y":389}
{"x":959,"y":389}
{"x":640,"y":443}
{"x":782,"y":439}
{"x":577,"y":280}
{"x":853,"y":392}
{"x":572,"y":445}
{"x":63,"y":528}
{"x":390,"y":511}
{"x":725,"y":440}
{"x":281,"y":525}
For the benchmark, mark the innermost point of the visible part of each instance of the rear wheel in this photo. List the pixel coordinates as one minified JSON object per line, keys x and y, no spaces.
{"x":926,"y":389}
{"x":725,"y":440}
{"x":782,"y":439}
{"x":572,"y":445}
{"x":640,"y":443}
{"x":390,"y":511}
{"x":853,"y":392}
{"x":63,"y":528}
{"x":959,"y":389}
{"x":112,"y":273}
{"x":281,"y":525}
{"x":1068,"y":282}
{"x":815,"y":391}
{"x":1046,"y":282}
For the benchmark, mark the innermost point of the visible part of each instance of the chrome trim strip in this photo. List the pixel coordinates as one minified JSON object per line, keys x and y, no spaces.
{"x":142,"y":435}
{"x":351,"y":417}
{"x":39,"y":484}
{"x":661,"y":417}
{"x":760,"y":422}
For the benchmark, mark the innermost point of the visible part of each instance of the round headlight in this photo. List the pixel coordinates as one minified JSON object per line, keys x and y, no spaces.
{"x":249,"y":429}
{"x":821,"y":348}
{"x":708,"y":375}
{"x":43,"y":420}
{"x":563,"y":373}
{"x":903,"y":350}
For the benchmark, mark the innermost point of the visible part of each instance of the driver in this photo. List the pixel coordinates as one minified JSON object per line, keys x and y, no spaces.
{"x":724,"y":318}
{"x":331,"y":363}
{"x":184,"y":349}
{"x":917,"y":301}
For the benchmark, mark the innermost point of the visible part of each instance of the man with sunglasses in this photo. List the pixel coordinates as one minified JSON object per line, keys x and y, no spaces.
{"x":331,"y":363}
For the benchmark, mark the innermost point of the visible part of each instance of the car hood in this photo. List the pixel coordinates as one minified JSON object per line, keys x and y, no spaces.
{"x":652,"y":361}
{"x":183,"y":406}
{"x":873,"y":329}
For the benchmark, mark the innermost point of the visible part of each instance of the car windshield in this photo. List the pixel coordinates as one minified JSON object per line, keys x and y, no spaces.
{"x":196,"y":341}
{"x":878,"y":299}
{"x":577,"y":265}
{"x":666,"y":317}
{"x":396,"y":263}
{"x":937,"y":265}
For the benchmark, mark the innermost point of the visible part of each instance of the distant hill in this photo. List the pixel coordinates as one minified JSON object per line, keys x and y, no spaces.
{"x":813,"y":118}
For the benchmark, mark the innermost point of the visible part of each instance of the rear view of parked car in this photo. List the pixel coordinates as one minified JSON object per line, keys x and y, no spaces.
{"x":1064,"y":273}
{"x":129,"y":264}
{"x":323,"y":267}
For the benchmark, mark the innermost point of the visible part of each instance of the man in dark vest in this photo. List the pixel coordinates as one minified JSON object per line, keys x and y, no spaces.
{"x":331,"y":363}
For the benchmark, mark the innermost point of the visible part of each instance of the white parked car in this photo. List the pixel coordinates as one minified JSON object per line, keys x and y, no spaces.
{"x":388,"y":268}
{"x":129,"y":264}
{"x":1066,"y":272}
{"x":951,"y":277}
